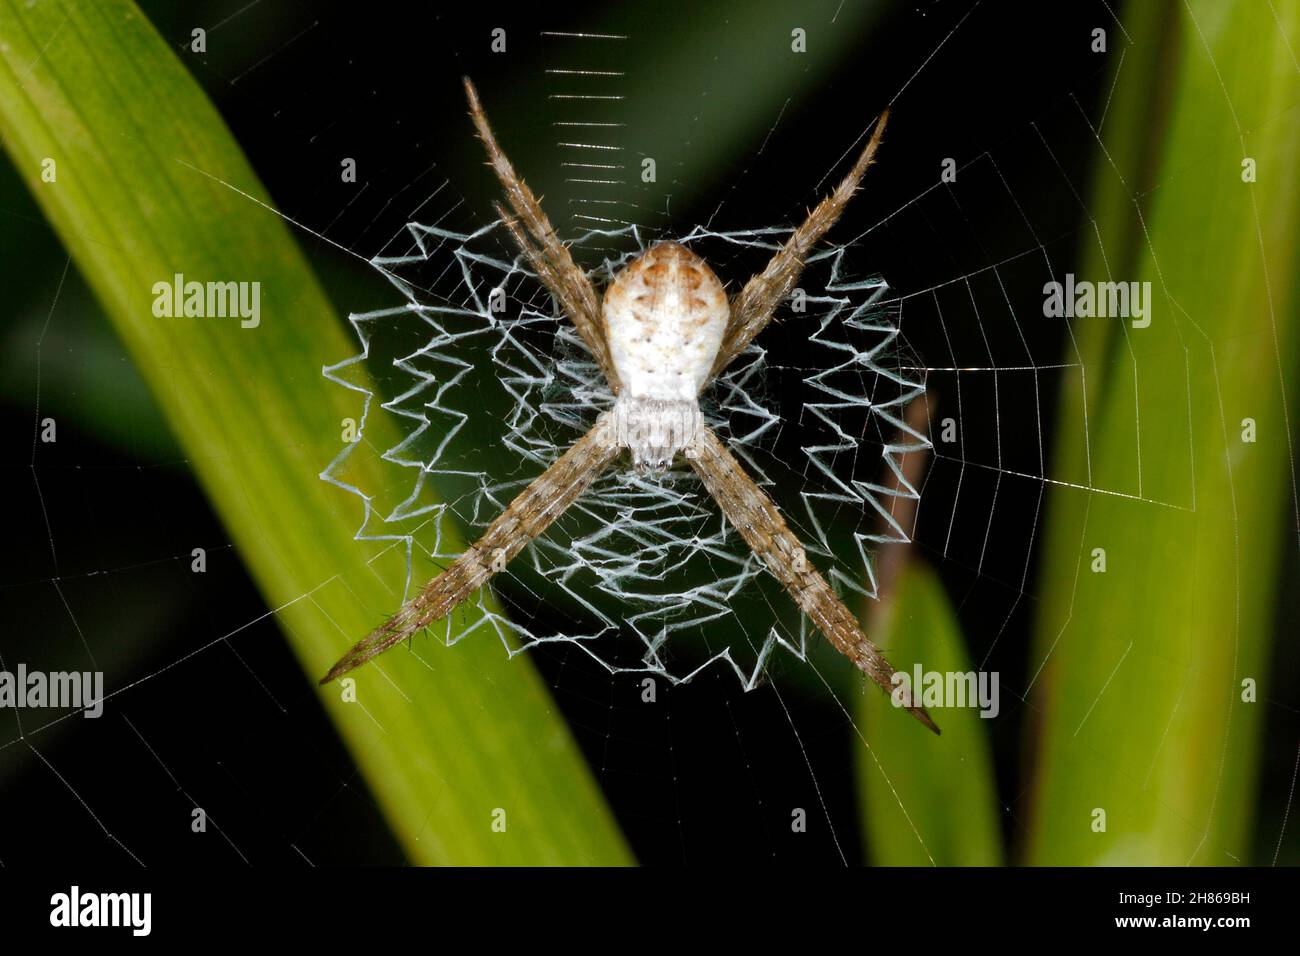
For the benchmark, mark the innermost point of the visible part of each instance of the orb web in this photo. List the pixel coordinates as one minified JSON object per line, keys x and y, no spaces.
{"x":489,"y":386}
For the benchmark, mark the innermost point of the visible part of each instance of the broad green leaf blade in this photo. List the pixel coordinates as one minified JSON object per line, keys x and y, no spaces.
{"x":1143,"y":663}
{"x":926,"y":799}
{"x":444,"y":736}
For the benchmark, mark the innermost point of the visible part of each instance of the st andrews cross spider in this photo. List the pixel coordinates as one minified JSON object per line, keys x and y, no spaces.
{"x":664,"y":330}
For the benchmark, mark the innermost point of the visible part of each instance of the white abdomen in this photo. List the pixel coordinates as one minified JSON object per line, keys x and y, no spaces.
{"x":664,"y":318}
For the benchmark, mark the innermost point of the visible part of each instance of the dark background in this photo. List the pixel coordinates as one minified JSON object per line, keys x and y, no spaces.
{"x":710,"y":774}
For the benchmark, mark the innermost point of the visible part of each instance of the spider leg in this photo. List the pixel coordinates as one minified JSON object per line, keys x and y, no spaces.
{"x":549,"y":257}
{"x":530,"y":514}
{"x":754,"y":305}
{"x":754,"y":515}
{"x":552,"y":279}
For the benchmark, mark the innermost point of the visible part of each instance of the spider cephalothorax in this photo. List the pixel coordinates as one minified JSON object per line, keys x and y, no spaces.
{"x":663,"y":332}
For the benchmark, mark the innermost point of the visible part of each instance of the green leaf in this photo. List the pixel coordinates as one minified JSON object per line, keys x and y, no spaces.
{"x":1140,"y":694}
{"x":926,"y":800}
{"x":444,"y":736}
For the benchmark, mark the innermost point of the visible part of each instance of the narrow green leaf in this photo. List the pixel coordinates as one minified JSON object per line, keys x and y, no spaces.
{"x":926,"y":800}
{"x":1144,"y":722}
{"x":445,"y":736}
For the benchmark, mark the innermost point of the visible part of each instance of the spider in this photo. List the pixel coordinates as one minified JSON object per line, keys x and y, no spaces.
{"x":664,"y":330}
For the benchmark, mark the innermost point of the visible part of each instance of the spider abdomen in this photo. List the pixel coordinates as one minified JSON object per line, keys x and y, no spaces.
{"x":664,"y":317}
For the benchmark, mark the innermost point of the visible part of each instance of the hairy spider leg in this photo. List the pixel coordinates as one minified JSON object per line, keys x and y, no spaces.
{"x":527,"y":516}
{"x":754,"y":305}
{"x":550,"y":258}
{"x":756,"y":517}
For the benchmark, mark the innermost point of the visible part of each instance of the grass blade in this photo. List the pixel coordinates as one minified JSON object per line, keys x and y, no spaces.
{"x":444,"y":737}
{"x":926,"y":800}
{"x":1142,"y":664}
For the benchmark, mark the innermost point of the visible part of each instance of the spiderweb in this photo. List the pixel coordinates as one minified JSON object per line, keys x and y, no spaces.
{"x":644,"y":555}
